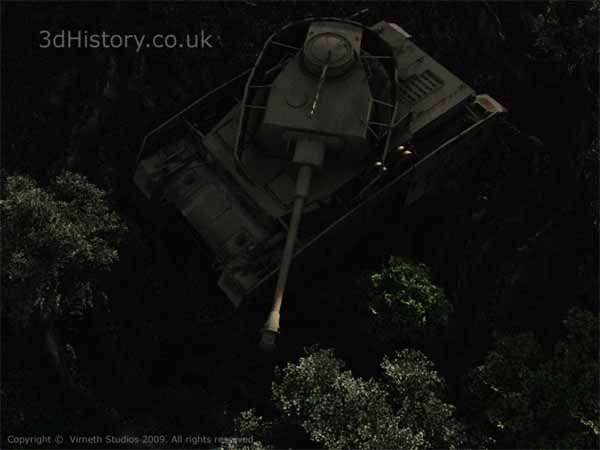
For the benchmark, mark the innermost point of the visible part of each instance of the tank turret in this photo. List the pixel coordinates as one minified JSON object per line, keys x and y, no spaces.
{"x":319,"y":104}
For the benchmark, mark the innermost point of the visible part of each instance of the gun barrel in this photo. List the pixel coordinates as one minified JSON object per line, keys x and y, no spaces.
{"x":310,"y":154}
{"x":272,"y":325}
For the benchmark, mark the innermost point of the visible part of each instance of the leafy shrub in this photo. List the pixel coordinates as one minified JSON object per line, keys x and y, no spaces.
{"x":530,"y":401}
{"x":567,"y":32}
{"x":404,"y":304}
{"x":415,"y":392}
{"x":341,"y":411}
{"x":247,"y":427}
{"x":57,"y":243}
{"x":338,"y":410}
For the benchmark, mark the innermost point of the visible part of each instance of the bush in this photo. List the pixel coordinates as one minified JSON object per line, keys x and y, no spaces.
{"x":340,"y":411}
{"x":247,"y":427}
{"x":337,"y":410}
{"x":567,"y":32}
{"x":404,"y":304}
{"x":58,"y":242}
{"x":531,"y":401}
{"x":415,"y":392}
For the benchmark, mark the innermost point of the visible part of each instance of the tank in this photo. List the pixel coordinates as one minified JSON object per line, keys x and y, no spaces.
{"x":281,"y":170}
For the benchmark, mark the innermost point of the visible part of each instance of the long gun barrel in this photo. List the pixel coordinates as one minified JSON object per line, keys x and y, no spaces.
{"x":310,"y":154}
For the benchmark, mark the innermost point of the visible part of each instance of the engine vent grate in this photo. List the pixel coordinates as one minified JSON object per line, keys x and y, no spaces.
{"x":417,"y":87}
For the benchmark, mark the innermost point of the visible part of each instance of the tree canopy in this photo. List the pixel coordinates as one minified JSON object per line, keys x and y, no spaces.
{"x":58,"y":241}
{"x":337,"y":410}
{"x":529,"y":400}
{"x":404,"y":305}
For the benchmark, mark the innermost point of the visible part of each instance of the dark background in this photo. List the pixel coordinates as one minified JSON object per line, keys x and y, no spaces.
{"x":514,"y":243}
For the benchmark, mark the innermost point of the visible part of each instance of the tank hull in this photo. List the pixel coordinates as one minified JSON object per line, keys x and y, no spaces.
{"x":401,"y":190}
{"x":235,"y":188}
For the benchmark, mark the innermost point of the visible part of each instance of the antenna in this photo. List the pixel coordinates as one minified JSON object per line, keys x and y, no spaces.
{"x":313,"y":108}
{"x":362,"y":12}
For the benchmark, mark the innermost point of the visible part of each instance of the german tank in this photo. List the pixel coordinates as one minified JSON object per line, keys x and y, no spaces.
{"x":335,"y":123}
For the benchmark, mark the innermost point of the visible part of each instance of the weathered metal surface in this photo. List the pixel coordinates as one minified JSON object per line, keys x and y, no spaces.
{"x":394,"y":124}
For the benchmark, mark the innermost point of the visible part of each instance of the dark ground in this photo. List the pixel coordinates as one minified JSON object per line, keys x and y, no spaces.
{"x":514,"y":243}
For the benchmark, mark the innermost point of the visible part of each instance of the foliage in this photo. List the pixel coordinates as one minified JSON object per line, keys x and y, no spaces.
{"x":587,"y":173}
{"x":341,"y":411}
{"x":415,"y":392}
{"x":530,"y":401}
{"x":57,"y":242}
{"x":568,"y":32}
{"x":500,"y":380}
{"x":248,"y":426}
{"x":338,"y":410}
{"x":403,"y":302}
